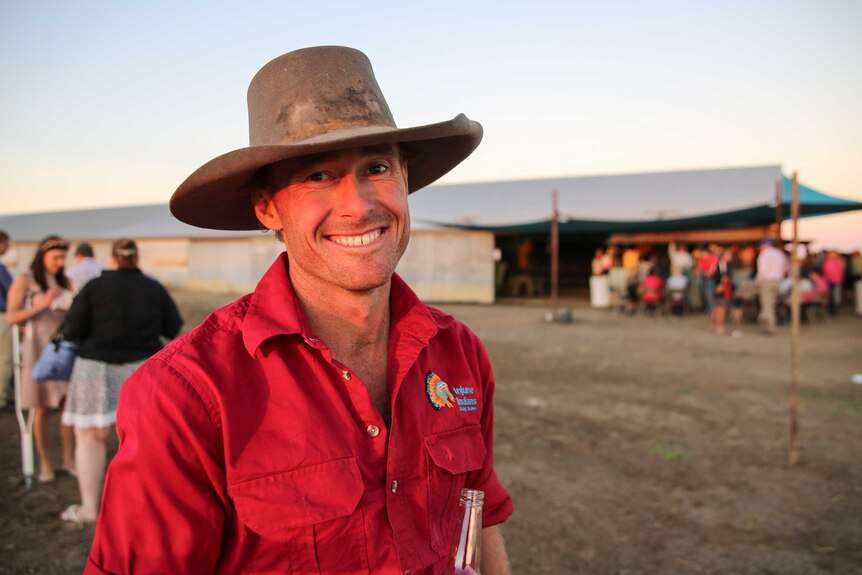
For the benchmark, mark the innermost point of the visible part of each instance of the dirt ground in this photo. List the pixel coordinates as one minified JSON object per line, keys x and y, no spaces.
{"x":629,"y":444}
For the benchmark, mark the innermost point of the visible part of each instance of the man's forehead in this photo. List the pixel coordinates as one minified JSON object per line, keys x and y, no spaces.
{"x":362,"y":151}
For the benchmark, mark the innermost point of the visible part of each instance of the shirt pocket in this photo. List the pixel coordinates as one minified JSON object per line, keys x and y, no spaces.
{"x":304,"y":521}
{"x":451,"y":456}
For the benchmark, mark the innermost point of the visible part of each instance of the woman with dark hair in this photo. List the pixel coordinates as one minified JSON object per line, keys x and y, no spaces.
{"x":38,"y":300}
{"x":117,"y":319}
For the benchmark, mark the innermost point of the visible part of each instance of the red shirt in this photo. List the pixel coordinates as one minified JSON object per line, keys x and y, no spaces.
{"x":833,"y":270}
{"x":707,"y":264}
{"x":246,"y":448}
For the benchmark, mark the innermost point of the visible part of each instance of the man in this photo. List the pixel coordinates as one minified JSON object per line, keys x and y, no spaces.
{"x":833,"y":272}
{"x":327,"y":422}
{"x":5,"y":330}
{"x":707,"y":269}
{"x":677,"y":287}
{"x":856,"y":267}
{"x":681,"y":261}
{"x":85,"y":267}
{"x":771,"y":269}
{"x":631,"y":257}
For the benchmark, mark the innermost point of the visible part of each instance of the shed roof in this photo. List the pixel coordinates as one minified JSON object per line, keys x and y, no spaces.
{"x":146,"y":221}
{"x":638,"y":197}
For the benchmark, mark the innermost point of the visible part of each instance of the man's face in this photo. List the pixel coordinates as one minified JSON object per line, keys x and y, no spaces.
{"x":343,"y":215}
{"x":4,"y":246}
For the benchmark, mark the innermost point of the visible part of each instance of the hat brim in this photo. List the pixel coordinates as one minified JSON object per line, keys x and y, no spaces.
{"x":216,"y":195}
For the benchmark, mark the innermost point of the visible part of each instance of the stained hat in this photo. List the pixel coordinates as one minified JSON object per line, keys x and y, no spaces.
{"x":306,"y":102}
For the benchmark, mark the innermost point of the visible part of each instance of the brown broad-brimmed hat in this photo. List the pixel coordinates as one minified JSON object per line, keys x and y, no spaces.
{"x":306,"y":102}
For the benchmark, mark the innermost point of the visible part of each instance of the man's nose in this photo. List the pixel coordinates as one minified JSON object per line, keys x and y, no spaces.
{"x":355,"y":197}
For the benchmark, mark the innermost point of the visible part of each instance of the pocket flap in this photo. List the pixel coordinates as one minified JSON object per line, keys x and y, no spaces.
{"x":457,"y":451}
{"x":300,"y":497}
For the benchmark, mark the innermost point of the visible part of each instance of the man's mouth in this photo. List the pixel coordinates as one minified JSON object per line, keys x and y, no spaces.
{"x":359,"y":240}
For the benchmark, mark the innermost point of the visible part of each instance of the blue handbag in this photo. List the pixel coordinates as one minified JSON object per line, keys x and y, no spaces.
{"x":55,"y":361}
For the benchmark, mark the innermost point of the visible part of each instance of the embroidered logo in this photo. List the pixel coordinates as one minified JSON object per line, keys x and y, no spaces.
{"x":438,"y":392}
{"x":441,"y":396}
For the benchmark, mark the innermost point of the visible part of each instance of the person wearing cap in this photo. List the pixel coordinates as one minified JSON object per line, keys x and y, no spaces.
{"x":327,"y":422}
{"x":117,"y":320}
{"x":85,"y":267}
{"x":771,"y":268}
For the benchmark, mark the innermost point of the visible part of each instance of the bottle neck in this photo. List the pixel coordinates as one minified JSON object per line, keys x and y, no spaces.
{"x":472,"y":497}
{"x":469,"y":545}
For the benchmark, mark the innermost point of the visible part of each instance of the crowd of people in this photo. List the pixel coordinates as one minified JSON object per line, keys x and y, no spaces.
{"x":115,"y":316}
{"x":731,"y":283}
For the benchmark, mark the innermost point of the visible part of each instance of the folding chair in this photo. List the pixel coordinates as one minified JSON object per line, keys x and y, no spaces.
{"x":817,"y":308}
{"x":677,"y":301}
{"x":651,"y":295}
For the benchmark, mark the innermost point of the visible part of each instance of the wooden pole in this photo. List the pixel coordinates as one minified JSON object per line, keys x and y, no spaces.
{"x":555,"y":255}
{"x":794,"y":328}
{"x":779,"y":207}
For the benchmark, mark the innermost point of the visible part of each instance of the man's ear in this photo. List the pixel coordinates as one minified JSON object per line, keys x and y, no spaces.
{"x":264,"y":209}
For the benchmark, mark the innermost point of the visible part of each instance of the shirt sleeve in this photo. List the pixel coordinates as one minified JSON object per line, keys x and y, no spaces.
{"x":163,"y":508}
{"x":497,"y":506}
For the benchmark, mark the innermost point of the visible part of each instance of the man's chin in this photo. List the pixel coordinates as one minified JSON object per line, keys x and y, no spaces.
{"x":366,"y":285}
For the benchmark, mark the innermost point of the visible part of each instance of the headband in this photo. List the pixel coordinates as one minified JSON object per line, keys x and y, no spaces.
{"x":54,"y":245}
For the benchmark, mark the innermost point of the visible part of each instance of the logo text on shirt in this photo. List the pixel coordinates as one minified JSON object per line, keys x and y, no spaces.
{"x":441,"y":395}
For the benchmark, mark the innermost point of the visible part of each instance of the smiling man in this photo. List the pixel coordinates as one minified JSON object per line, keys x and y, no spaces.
{"x":327,"y":422}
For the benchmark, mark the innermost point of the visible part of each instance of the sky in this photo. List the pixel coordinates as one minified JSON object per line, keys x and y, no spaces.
{"x":116,"y":103}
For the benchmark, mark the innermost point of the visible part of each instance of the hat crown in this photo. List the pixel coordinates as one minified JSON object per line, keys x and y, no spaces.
{"x":313,"y":92}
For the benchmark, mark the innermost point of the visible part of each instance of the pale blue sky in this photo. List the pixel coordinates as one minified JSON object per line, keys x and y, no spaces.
{"x":109,"y":103}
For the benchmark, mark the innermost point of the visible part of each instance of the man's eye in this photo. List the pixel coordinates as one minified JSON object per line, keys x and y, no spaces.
{"x":378,"y":168}
{"x":316,"y":177}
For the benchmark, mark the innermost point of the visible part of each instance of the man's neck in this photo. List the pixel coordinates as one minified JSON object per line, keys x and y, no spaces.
{"x":355,"y":327}
{"x":348,"y":322}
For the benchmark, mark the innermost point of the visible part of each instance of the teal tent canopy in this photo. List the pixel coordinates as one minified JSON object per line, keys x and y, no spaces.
{"x":814,"y":203}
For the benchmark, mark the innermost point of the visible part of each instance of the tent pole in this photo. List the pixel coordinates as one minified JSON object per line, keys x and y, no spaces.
{"x":779,"y":207}
{"x":794,"y":328}
{"x":555,"y":255}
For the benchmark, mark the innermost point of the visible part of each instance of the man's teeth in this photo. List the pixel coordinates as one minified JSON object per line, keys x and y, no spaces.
{"x":357,"y":240}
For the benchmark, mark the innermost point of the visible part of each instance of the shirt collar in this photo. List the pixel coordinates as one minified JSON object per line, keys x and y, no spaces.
{"x":408,"y":314}
{"x":275,"y":310}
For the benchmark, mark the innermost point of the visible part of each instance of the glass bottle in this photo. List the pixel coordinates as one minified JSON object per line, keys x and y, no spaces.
{"x":468,"y":547}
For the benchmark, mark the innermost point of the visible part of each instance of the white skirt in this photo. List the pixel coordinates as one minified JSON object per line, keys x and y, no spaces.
{"x":94,"y":391}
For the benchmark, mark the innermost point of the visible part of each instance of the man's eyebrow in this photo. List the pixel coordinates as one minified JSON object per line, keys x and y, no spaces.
{"x":378,"y":150}
{"x":381,"y":149}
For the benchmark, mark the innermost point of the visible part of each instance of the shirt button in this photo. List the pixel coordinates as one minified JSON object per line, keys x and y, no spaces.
{"x":346,"y":375}
{"x":372,"y":430}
